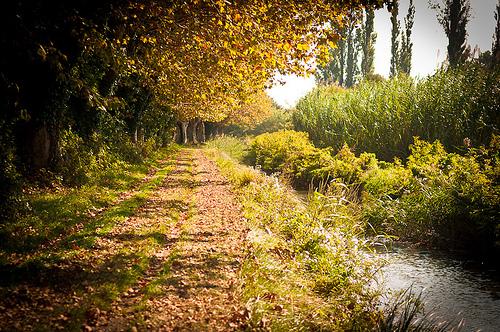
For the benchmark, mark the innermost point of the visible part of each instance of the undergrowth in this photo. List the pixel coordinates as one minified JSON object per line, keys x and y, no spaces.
{"x":305,"y":268}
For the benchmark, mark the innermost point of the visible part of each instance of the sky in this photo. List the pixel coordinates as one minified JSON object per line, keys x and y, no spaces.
{"x":429,"y":44}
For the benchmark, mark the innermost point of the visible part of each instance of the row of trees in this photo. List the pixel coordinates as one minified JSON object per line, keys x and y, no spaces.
{"x":355,"y":40}
{"x":131,"y":69}
{"x":358,"y":40}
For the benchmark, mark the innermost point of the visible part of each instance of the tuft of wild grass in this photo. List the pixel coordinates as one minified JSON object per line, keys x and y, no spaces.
{"x":405,"y":312}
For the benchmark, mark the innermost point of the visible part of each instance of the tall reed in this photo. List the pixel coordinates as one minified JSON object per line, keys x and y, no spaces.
{"x":460,"y":107}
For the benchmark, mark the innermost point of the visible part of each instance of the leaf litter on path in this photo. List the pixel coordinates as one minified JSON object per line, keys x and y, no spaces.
{"x":172,"y":265}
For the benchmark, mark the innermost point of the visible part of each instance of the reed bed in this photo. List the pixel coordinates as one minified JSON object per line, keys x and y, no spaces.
{"x":460,"y":107}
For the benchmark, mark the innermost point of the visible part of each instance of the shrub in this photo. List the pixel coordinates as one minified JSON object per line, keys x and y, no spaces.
{"x":274,"y":151}
{"x":441,"y":197}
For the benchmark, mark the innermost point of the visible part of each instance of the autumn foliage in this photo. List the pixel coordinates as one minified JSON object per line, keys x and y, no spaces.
{"x":207,"y":56}
{"x":112,"y":71}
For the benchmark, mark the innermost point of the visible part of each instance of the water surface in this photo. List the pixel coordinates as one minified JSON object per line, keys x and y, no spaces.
{"x":449,"y":283}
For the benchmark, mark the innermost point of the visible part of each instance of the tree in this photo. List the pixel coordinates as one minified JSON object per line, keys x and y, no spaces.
{"x":93,"y":60}
{"x":495,"y":47}
{"x":343,"y":65}
{"x":369,"y":37}
{"x":406,"y":43}
{"x":394,"y":39}
{"x":454,"y":16}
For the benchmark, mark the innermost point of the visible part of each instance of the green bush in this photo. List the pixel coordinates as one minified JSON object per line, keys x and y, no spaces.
{"x":386,"y":179}
{"x":310,"y":252}
{"x":274,"y":151}
{"x":292,"y":154}
{"x":439,"y":197}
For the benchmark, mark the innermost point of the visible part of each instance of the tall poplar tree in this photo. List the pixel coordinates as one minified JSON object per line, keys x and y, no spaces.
{"x":394,"y":39}
{"x":369,"y":37}
{"x":406,"y":43}
{"x":454,"y":16}
{"x":353,"y":48}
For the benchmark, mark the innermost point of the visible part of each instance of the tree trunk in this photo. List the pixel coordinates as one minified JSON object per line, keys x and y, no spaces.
{"x":134,"y":136}
{"x":200,"y":132}
{"x":191,"y":130}
{"x":41,"y":148}
{"x":177,"y":135}
{"x":216,"y":129}
{"x":182,"y":128}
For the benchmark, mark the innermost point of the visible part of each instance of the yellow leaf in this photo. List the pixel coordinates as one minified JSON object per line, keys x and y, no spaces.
{"x":302,"y":47}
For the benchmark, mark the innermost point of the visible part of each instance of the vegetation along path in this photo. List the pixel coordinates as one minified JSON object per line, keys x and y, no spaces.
{"x":165,"y":259}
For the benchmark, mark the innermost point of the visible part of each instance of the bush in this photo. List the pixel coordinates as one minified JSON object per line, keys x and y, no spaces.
{"x":292,"y":154}
{"x":10,"y":182}
{"x":274,"y":151}
{"x":440,"y":197}
{"x":309,"y":252}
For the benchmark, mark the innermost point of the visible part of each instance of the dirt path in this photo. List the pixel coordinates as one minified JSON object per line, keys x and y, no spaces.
{"x":170,"y":265}
{"x":206,"y":252}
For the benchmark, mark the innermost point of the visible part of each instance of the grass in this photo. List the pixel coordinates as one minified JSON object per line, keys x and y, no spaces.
{"x":234,"y":147}
{"x":305,"y":268}
{"x":405,"y":313}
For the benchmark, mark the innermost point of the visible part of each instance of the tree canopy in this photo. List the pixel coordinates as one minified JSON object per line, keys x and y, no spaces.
{"x":199,"y":55}
{"x":88,"y":63}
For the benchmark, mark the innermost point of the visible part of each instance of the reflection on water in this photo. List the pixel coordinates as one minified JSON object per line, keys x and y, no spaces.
{"x":450,"y":284}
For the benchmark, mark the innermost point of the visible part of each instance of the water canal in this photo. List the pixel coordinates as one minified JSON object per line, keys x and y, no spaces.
{"x":452,"y":285}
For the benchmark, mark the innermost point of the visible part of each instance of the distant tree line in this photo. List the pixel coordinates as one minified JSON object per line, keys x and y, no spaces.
{"x":358,"y":40}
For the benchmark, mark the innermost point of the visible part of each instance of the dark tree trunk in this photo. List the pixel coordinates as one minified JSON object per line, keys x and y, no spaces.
{"x":41,"y":148}
{"x":191,"y":130}
{"x":200,"y":132}
{"x":216,"y":131}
